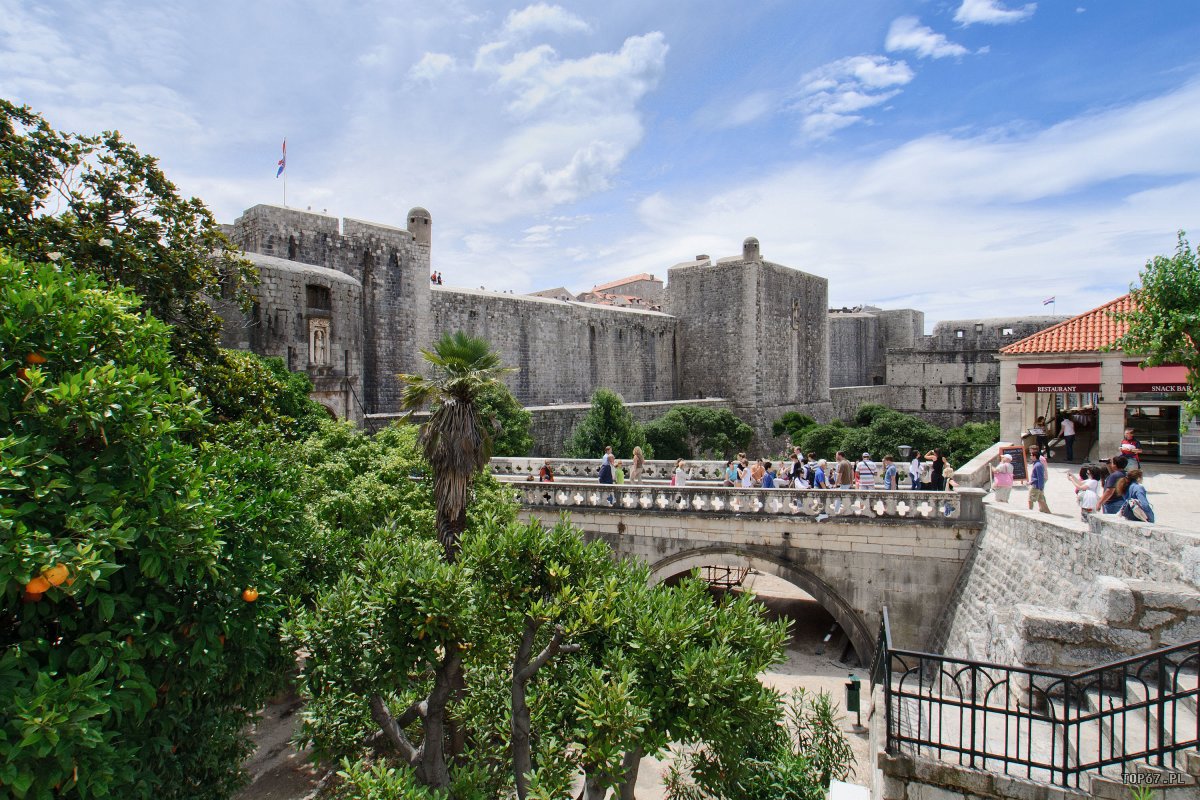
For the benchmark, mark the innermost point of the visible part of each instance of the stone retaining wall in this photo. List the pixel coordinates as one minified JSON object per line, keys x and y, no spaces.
{"x":1039,"y":594}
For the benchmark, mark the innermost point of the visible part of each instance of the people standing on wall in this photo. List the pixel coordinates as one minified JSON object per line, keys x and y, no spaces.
{"x":1066,"y":429}
{"x":1037,"y":486}
{"x":866,"y":470}
{"x":1002,"y":478}
{"x":914,"y":471}
{"x":618,"y":473}
{"x":546,"y":474}
{"x":747,"y":475}
{"x":606,"y":469}
{"x":843,"y":476}
{"x":639,"y":463}
{"x":682,"y":475}
{"x":1113,"y":498}
{"x":891,"y":474}
{"x":1131,"y":448}
{"x":1087,"y":491}
{"x":756,"y":473}
{"x":937,"y":469}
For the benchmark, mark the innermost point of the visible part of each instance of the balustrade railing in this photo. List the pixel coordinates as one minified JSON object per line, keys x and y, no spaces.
{"x":957,"y":507}
{"x":1041,"y":725}
{"x":584,"y":468}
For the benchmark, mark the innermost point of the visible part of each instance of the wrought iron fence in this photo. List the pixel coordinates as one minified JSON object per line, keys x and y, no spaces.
{"x":1040,"y":725}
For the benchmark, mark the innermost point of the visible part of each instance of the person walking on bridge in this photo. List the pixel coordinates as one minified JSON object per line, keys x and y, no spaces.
{"x":866,"y":471}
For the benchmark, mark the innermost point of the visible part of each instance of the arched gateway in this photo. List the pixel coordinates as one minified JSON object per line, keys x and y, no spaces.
{"x":861,"y":637}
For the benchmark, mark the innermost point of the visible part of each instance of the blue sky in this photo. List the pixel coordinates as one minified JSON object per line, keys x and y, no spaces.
{"x":964,"y":157}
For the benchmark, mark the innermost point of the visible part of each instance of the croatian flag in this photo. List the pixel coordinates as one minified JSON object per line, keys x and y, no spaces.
{"x":282,"y":161}
{"x":1045,"y":302}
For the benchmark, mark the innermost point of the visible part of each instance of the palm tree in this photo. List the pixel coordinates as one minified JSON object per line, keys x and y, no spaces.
{"x":455,"y":439}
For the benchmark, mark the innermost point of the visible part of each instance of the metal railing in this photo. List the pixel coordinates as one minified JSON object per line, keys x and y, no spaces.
{"x":1040,"y":725}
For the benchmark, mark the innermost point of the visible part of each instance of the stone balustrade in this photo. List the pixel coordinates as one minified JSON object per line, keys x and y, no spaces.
{"x":964,"y":507}
{"x":589,"y":468}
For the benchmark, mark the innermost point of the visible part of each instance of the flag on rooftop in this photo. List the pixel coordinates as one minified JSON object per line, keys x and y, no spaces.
{"x":282,"y":161}
{"x":1045,"y":302}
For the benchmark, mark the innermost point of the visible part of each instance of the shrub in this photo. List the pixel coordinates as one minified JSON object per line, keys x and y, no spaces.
{"x":698,"y":432}
{"x":608,"y":422}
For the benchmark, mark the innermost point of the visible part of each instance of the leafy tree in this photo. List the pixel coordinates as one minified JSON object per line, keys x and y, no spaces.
{"x":455,"y":440}
{"x":100,"y":204}
{"x":244,"y":387}
{"x":967,"y":441}
{"x":607,"y":423}
{"x":698,"y":432}
{"x":1164,"y":324}
{"x":793,"y":424}
{"x":572,"y":663}
{"x":824,"y":440}
{"x":511,"y":423}
{"x":869,"y":412}
{"x":131,"y":644}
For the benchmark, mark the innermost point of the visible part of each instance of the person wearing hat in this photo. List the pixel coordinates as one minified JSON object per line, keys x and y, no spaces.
{"x":866,"y":471}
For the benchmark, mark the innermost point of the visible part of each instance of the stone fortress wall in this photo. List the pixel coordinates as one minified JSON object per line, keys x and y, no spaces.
{"x":350,"y":302}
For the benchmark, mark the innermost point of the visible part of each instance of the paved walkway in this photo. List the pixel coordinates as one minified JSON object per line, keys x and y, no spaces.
{"x":1174,"y":492}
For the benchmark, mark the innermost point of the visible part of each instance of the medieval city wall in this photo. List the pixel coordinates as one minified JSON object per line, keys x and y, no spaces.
{"x":565,"y":351}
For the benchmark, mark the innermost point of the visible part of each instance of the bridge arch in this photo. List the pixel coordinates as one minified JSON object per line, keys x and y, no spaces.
{"x":861,"y":638}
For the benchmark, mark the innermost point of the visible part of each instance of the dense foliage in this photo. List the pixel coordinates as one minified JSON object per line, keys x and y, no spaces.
{"x":792,"y":424}
{"x":1165,"y":322}
{"x":97,"y":202}
{"x":698,"y":432}
{"x":510,"y":422}
{"x":880,"y":431}
{"x":532,"y":657}
{"x":140,"y":644}
{"x":607,"y":422}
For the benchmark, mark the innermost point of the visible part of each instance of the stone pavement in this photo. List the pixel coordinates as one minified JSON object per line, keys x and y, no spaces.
{"x":1173,"y":489}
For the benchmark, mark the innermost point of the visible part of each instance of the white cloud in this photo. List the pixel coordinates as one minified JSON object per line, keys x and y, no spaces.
{"x":907,"y":33}
{"x":431,"y":66}
{"x":992,"y":12}
{"x":831,"y":95}
{"x":543,"y":17}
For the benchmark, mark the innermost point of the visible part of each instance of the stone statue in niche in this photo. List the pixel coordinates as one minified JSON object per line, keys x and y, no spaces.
{"x":318,"y":342}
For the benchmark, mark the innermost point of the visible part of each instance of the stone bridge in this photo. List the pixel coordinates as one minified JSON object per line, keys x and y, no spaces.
{"x":853,"y":551}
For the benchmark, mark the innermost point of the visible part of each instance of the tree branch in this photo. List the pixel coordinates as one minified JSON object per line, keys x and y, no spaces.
{"x":393,"y":730}
{"x":555,"y":646}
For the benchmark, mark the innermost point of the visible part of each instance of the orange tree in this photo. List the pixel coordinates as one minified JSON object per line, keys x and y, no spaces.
{"x":132,"y":673}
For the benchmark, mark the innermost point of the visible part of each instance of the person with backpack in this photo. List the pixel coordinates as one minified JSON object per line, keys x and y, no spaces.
{"x":1137,"y":506}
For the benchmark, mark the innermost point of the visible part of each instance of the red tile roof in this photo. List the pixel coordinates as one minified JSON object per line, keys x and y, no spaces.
{"x":641,"y":276}
{"x":1086,"y":333}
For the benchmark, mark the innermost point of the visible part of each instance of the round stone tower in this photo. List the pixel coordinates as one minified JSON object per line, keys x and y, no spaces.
{"x":420,"y":225}
{"x":750,"y":250}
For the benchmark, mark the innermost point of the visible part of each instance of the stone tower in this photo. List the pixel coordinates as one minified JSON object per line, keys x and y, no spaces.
{"x":752,"y":331}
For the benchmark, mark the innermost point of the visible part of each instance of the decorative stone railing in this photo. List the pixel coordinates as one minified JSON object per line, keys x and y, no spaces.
{"x":960,"y":507}
{"x":585,"y":468}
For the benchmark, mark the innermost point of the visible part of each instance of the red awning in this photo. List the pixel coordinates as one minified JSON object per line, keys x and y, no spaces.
{"x":1170,"y":378}
{"x":1058,"y":378}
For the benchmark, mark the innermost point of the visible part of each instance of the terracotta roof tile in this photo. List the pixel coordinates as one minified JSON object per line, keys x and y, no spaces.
{"x":641,"y":276}
{"x":1086,"y":333}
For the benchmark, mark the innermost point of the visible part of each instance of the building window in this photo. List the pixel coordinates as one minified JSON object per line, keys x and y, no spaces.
{"x":1006,"y":331}
{"x":979,"y":327}
{"x":958,"y":334}
{"x":319,"y":297}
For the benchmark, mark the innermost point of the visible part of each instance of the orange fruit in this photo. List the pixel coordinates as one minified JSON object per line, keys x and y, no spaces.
{"x":56,"y":574}
{"x":38,"y":585}
{"x":250,"y":595}
{"x":21,"y":373}
{"x":31,"y":597}
{"x":129,"y":641}
{"x":35,"y":358}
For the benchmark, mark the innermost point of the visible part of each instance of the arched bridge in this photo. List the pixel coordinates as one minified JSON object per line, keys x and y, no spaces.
{"x":854,"y":551}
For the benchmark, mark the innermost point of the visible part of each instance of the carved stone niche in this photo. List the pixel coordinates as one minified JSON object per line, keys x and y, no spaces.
{"x":318,"y":342}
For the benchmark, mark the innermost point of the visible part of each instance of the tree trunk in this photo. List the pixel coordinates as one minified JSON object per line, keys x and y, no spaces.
{"x":593,"y":788}
{"x":522,"y":758}
{"x":450,"y":529}
{"x":433,"y":770}
{"x":630,"y":765}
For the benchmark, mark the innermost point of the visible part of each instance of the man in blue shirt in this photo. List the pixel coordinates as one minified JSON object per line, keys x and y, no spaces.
{"x":890,"y":474}
{"x":1037,"y":486}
